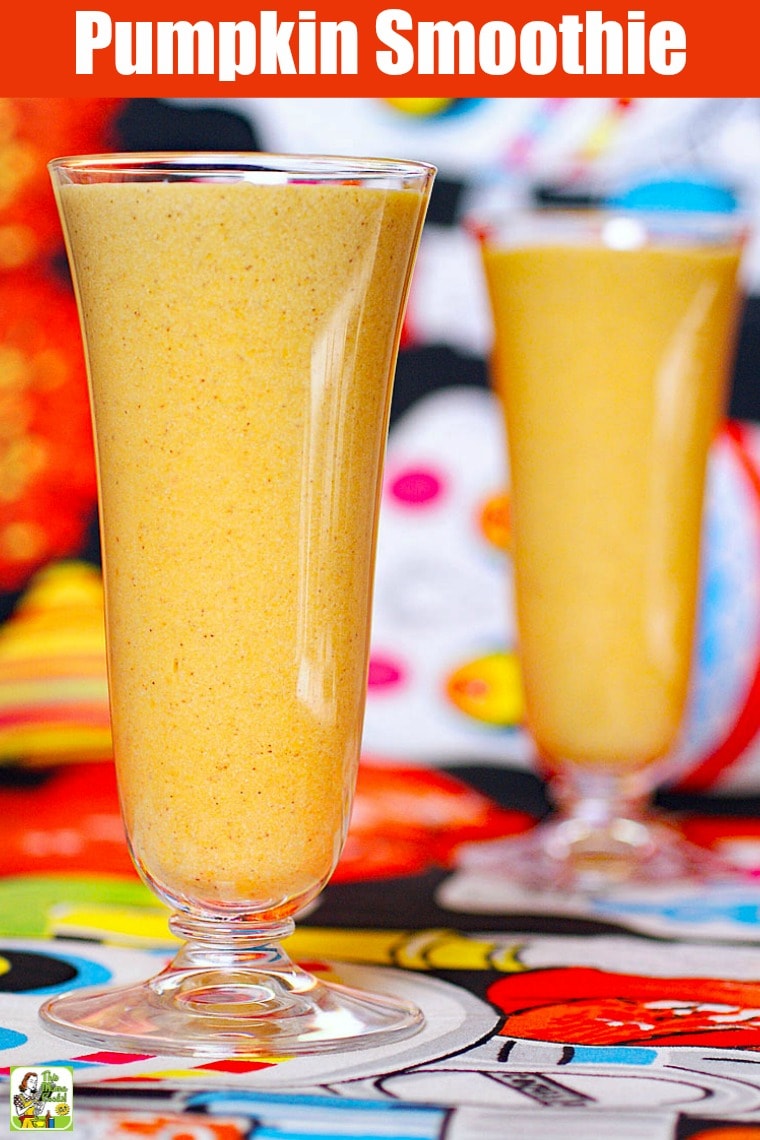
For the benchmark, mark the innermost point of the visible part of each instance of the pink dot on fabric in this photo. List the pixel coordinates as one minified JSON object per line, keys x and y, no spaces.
{"x":416,"y":486}
{"x":384,"y":673}
{"x":106,"y":1058}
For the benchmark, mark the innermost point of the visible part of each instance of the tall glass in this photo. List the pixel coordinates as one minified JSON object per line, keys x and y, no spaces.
{"x":613,"y":343}
{"x":241,"y":316}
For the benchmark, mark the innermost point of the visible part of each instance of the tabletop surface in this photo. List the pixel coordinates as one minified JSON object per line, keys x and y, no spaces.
{"x":545,"y":1015}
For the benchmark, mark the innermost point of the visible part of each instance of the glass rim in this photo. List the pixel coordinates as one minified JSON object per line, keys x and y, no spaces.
{"x":250,"y":166}
{"x":617,"y":227}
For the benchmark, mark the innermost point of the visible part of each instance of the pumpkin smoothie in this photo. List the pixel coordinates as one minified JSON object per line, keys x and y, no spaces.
{"x":241,"y":342}
{"x":611,"y":367}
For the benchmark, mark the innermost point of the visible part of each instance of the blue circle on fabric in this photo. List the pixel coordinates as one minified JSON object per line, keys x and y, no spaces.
{"x":10,"y":1039}
{"x":700,"y":195}
{"x":88,"y":973}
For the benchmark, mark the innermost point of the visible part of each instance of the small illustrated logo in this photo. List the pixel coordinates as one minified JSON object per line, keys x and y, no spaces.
{"x":42,"y":1097}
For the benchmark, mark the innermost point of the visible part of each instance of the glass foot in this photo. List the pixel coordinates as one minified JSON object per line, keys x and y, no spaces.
{"x":215,"y":1002}
{"x":572,"y":854}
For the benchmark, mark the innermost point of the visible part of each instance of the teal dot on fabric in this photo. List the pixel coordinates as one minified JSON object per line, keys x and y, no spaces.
{"x":698,"y":194}
{"x":10,"y":1039}
{"x":613,"y":1055}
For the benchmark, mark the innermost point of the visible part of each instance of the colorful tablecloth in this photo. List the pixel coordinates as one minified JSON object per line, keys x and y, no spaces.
{"x":638,"y":1013}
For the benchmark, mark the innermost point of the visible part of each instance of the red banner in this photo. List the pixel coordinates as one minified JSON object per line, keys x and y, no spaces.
{"x":228,"y":48}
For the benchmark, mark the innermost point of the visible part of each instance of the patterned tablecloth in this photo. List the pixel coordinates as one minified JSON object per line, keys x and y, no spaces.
{"x":637,"y":1012}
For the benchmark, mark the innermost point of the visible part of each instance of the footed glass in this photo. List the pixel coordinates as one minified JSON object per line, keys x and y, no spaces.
{"x":613,"y":344}
{"x":241,"y":316}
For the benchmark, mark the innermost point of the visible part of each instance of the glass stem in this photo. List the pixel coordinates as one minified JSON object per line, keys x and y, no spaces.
{"x":229,"y":960}
{"x":224,"y":933}
{"x":600,"y":797}
{"x":602,"y":819}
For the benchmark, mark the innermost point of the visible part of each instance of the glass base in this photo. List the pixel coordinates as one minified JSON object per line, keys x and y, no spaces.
{"x":226,"y":1001}
{"x":563,"y":854}
{"x":604,"y":835}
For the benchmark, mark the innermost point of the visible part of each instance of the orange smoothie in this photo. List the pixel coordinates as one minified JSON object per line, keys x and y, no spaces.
{"x":610,"y":364}
{"x":241,"y":343}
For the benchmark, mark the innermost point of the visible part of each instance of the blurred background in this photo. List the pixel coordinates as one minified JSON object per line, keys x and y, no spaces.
{"x":444,"y":684}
